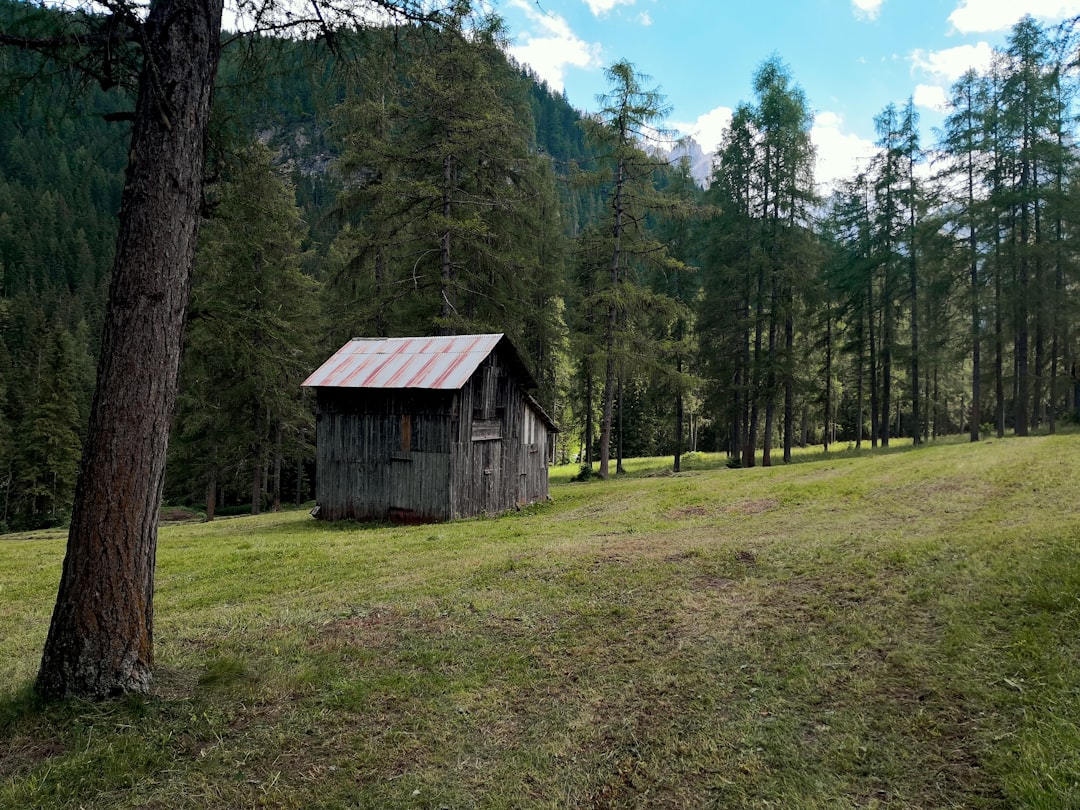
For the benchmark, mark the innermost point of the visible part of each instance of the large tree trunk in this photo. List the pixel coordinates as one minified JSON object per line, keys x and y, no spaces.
{"x":276,"y":475}
{"x":789,"y":376}
{"x":886,"y":365}
{"x":608,"y":405}
{"x":976,"y":359}
{"x":999,"y":347}
{"x":913,"y":291}
{"x":770,"y":379}
{"x":742,"y":383}
{"x":750,"y":446}
{"x":619,"y":428}
{"x":828,"y":384}
{"x":679,"y":412}
{"x":211,"y":496}
{"x":875,"y":425}
{"x":100,"y":641}
{"x":258,"y":467}
{"x":976,"y":327}
{"x":589,"y":416}
{"x":612,"y":322}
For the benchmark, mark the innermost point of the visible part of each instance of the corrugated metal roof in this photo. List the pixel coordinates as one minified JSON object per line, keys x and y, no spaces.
{"x":437,"y":363}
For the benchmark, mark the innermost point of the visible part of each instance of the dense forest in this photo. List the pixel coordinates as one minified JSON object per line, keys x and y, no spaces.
{"x":413,"y":180}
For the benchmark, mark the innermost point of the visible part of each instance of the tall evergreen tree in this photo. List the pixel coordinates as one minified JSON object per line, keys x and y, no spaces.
{"x":100,"y":640}
{"x":453,"y":219}
{"x":48,"y":442}
{"x":963,"y":142}
{"x":622,"y":247}
{"x":764,"y":183}
{"x":251,"y":338}
{"x":1027,"y":113}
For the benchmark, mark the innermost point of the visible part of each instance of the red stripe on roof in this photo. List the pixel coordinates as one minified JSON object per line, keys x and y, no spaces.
{"x":441,"y":379}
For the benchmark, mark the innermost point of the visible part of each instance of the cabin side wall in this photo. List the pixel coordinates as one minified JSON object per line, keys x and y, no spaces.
{"x":500,"y":449}
{"x":384,"y":454}
{"x":535,"y":452}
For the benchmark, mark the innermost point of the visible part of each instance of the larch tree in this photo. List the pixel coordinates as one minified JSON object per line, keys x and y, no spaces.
{"x":622,"y":243}
{"x":786,"y":177}
{"x":854,"y":282}
{"x":1027,"y":113}
{"x":727,"y":315}
{"x":963,"y":144}
{"x":909,"y":155}
{"x":762,"y":248}
{"x":100,"y":640}
{"x":48,"y":441}
{"x":890,"y":224}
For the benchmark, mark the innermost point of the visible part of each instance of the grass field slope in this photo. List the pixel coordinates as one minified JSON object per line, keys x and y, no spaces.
{"x":889,"y":630}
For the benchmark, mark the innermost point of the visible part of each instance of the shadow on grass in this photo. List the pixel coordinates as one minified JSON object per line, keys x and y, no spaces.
{"x":295,"y":522}
{"x":26,"y":704}
{"x":811,"y":454}
{"x":23,"y":704}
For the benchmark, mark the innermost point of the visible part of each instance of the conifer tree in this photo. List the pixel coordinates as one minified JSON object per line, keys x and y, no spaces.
{"x":100,"y":640}
{"x":963,"y":142}
{"x":48,"y":442}
{"x":453,"y":221}
{"x":252,"y":333}
{"x":764,"y":183}
{"x":621,"y":247}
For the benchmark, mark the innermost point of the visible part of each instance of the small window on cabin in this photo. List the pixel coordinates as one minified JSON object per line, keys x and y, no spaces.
{"x":406,"y":432}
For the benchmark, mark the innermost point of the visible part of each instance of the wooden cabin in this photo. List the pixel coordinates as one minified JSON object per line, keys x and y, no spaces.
{"x":427,"y":429}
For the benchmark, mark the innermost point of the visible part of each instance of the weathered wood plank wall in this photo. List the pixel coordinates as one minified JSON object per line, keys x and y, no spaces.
{"x":500,"y":458}
{"x":421,"y":455}
{"x":383,"y":455}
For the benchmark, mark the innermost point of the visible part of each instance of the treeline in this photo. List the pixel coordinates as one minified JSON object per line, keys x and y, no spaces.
{"x":931,"y":294}
{"x":414,"y":181}
{"x":60,"y":181}
{"x":395,"y":181}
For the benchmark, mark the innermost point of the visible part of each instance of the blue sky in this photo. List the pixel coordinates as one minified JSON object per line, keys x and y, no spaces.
{"x":851,"y":57}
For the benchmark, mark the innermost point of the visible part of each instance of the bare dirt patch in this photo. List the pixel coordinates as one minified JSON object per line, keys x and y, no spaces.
{"x":713,"y":583}
{"x":20,"y":758}
{"x":376,"y":628}
{"x":747,"y":558}
{"x":754,"y":507}
{"x":687,"y":512}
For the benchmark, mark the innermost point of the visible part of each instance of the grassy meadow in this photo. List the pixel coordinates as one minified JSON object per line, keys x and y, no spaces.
{"x":854,"y":630}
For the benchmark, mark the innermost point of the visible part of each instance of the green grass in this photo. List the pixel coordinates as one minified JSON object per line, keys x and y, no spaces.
{"x":857,"y":630}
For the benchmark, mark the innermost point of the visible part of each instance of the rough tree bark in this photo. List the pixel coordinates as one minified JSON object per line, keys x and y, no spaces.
{"x":612,"y":321}
{"x":100,"y":641}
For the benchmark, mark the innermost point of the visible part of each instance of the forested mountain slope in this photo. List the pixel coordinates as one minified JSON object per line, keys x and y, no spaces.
{"x":63,"y":145}
{"x":414,"y":181}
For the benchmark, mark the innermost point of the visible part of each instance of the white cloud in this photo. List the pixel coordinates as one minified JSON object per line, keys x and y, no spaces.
{"x":950,"y":64}
{"x":931,"y":96}
{"x":552,"y":46}
{"x":974,"y":16}
{"x":601,"y":7}
{"x":645,"y":19}
{"x":867,"y":9}
{"x":840,"y":155}
{"x":708,"y":129}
